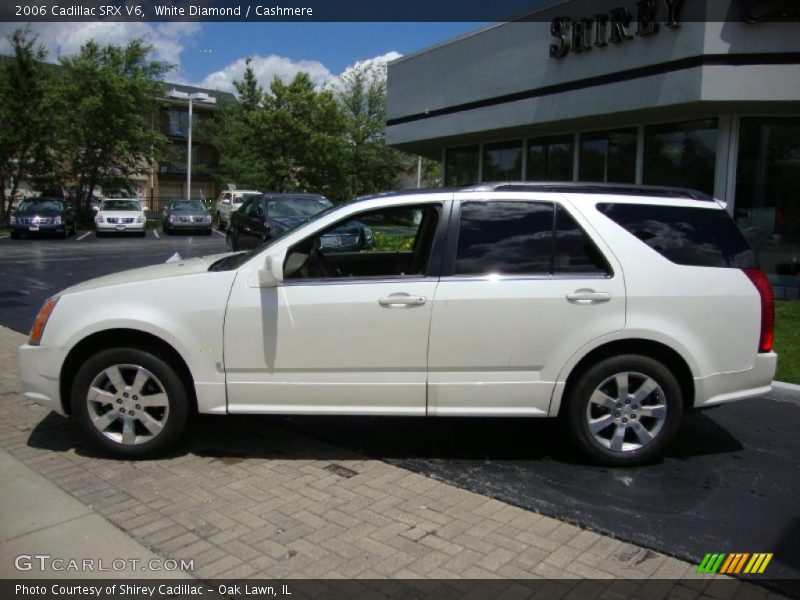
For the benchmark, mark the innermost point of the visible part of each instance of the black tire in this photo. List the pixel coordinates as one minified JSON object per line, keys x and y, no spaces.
{"x":166,"y":377}
{"x":14,"y":235}
{"x":143,"y":233}
{"x":220,"y":223}
{"x":640,"y":369}
{"x":167,"y":230}
{"x":208,"y":231}
{"x":64,"y":234}
{"x":232,"y":241}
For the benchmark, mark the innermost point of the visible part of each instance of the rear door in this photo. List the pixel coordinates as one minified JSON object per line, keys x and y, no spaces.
{"x":524,"y":287}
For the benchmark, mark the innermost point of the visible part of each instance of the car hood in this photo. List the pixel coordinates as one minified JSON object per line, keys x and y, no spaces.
{"x":286,"y":222}
{"x":36,"y":211}
{"x":169,"y":270}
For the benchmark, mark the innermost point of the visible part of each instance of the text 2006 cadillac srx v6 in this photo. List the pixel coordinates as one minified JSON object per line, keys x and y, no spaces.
{"x":615,"y":307}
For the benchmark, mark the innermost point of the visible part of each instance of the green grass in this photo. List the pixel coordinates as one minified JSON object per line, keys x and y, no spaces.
{"x":787,"y":340}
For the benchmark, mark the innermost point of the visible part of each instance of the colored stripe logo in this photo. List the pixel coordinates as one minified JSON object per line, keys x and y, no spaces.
{"x":735,"y":563}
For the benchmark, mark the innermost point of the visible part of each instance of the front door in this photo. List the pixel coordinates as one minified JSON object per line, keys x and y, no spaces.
{"x":347,"y":331}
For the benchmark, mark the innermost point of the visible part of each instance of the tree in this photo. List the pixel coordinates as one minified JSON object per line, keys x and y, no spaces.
{"x":26,"y":126}
{"x":237,"y":133}
{"x":370,"y":165}
{"x":104,"y":105}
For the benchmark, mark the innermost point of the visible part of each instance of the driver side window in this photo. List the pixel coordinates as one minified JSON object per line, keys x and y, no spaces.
{"x":389,"y":242}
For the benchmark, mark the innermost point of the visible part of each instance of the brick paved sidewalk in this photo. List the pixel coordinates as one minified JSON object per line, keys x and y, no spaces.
{"x":245,"y":497}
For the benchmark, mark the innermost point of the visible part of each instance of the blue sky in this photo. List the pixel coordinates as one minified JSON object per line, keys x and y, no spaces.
{"x":213,"y":54}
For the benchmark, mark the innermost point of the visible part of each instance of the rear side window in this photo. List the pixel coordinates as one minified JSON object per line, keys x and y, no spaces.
{"x":516,"y":238}
{"x":698,"y":237}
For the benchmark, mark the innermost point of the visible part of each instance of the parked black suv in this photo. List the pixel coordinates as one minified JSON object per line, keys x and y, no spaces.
{"x":262,"y":218}
{"x":45,"y":214}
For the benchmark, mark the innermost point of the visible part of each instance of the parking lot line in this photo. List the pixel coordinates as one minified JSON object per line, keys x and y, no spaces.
{"x":4,"y":236}
{"x":155,"y":233}
{"x":218,"y":232}
{"x":78,"y":239}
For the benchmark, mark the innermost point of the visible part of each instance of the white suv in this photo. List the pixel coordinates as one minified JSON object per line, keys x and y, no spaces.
{"x":617,"y":308}
{"x":230,"y":201}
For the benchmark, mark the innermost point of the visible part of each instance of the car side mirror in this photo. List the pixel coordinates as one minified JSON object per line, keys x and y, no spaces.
{"x":145,"y":208}
{"x":272,"y":273}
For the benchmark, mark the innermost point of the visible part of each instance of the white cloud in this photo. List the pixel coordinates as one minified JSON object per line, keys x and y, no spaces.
{"x":376,"y":66}
{"x":266,"y":68}
{"x":62,"y":39}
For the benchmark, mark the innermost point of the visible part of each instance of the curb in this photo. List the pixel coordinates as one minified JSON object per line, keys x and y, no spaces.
{"x":789,"y":387}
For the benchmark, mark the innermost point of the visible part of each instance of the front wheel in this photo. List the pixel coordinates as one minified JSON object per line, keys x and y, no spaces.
{"x":624,"y":410}
{"x":130,"y":402}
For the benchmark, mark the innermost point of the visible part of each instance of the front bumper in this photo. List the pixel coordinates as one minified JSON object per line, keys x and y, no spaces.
{"x":197,"y":226}
{"x":39,"y":367}
{"x":119,"y":227}
{"x":738,"y":385}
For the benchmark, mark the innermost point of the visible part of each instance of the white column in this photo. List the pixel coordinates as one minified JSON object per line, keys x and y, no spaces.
{"x":189,"y":155}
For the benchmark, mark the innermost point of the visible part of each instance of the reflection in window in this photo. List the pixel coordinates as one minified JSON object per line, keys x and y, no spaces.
{"x":550,"y":159}
{"x":461,"y":165}
{"x":609,"y":156}
{"x":767,"y":205}
{"x":502,"y":161}
{"x":681,"y":154}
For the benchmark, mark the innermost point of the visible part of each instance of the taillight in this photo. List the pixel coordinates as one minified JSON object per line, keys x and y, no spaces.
{"x":759,"y":279}
{"x":41,"y":320}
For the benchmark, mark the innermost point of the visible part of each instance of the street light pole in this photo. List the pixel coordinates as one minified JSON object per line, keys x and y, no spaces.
{"x":189,"y":153}
{"x":202,"y":97}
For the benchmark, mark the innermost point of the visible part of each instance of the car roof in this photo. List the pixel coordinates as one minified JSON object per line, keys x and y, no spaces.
{"x":289,"y":195}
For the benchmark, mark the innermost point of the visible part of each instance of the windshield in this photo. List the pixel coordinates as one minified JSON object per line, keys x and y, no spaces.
{"x":120,"y":205}
{"x":239,"y":198}
{"x":187,"y":206}
{"x":43,"y":205}
{"x":234,"y":261}
{"x":297,"y":206}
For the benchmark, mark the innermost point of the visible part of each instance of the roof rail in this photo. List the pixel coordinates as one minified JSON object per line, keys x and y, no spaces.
{"x":580,"y":187}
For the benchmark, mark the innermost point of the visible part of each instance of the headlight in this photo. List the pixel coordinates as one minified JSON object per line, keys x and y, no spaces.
{"x":41,"y":320}
{"x":140,"y":219}
{"x":99,"y":219}
{"x":207,"y":219}
{"x":14,"y":221}
{"x":172,"y":219}
{"x":56,"y":220}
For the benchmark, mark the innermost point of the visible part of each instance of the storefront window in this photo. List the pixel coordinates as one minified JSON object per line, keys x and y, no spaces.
{"x":461,"y":165}
{"x":609,"y":156}
{"x":767,"y":207}
{"x":681,"y":154}
{"x":550,"y":159}
{"x":502,"y":161}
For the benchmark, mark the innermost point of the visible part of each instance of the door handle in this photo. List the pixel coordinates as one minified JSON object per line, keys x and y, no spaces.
{"x":588,"y":297}
{"x":401,"y":299}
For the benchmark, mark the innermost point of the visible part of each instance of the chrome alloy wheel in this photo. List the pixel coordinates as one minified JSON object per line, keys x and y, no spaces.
{"x":626,"y":411}
{"x":127,"y":404}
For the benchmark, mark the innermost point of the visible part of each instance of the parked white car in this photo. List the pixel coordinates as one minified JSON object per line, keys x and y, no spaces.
{"x":120,"y":215}
{"x":615,"y":307}
{"x":230,"y":201}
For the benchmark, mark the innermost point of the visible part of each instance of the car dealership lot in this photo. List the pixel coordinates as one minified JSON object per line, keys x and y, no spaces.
{"x":738,"y":463}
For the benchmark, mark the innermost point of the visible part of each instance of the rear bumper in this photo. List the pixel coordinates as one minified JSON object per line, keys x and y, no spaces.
{"x":38,"y":367}
{"x":738,"y":385}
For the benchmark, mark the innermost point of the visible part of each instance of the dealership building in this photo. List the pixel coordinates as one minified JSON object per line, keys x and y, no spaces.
{"x":632,"y":92}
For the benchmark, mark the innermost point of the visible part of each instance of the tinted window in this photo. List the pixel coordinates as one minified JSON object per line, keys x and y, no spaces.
{"x":186,"y":206}
{"x":575,"y":252}
{"x":300,"y":206}
{"x":688,"y":236}
{"x":502,"y":161}
{"x":505,"y":237}
{"x":461,"y":165}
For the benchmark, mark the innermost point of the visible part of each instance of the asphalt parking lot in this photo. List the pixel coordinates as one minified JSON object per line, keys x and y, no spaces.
{"x":33,"y":269}
{"x":730,"y":482}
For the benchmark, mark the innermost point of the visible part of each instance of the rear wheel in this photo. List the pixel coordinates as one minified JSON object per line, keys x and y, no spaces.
{"x":624,"y":410}
{"x":130,"y":402}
